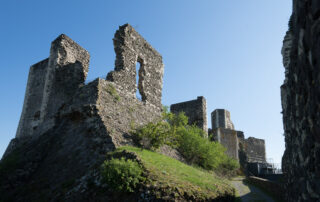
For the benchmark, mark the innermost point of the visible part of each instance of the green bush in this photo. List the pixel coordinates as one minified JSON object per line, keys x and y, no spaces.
{"x":152,"y":135}
{"x":191,"y":141}
{"x":200,"y":151}
{"x":121,"y":174}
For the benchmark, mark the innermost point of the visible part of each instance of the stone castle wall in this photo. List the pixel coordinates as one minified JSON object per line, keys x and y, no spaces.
{"x":300,"y":96}
{"x":244,"y":150}
{"x":228,"y":138}
{"x":131,"y":48}
{"x":255,"y":150}
{"x":56,"y":90}
{"x":30,"y":116}
{"x":195,"y":110}
{"x":220,"y":118}
{"x":52,"y":83}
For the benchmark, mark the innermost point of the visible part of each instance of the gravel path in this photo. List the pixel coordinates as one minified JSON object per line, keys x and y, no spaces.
{"x":247,"y":192}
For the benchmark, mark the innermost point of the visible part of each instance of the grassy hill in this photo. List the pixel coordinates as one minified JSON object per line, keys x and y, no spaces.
{"x":170,"y":179}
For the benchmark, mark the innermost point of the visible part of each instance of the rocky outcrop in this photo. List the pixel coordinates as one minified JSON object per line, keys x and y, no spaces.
{"x":300,"y":96}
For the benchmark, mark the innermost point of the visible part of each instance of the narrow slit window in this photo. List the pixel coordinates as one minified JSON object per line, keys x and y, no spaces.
{"x":138,"y":94}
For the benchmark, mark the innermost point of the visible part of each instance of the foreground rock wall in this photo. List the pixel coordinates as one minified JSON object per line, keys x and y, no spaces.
{"x":300,"y":96}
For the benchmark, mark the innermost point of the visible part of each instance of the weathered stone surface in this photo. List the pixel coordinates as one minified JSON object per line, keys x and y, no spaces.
{"x":30,"y":116}
{"x":244,"y":150}
{"x":131,"y":48}
{"x":300,"y":96}
{"x":220,"y":118}
{"x":52,"y":83}
{"x":255,"y":150}
{"x":67,"y":127}
{"x":228,"y":138}
{"x":195,"y":110}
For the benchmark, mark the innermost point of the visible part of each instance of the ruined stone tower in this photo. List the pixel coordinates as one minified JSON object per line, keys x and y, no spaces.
{"x":220,"y":118}
{"x":56,"y":89}
{"x":67,"y":127}
{"x":195,"y":110}
{"x":52,"y":83}
{"x":245,"y":150}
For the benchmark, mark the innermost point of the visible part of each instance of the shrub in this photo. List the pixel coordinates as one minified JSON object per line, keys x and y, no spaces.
{"x":199,"y":150}
{"x":121,"y":174}
{"x":191,"y":141}
{"x":152,"y":135}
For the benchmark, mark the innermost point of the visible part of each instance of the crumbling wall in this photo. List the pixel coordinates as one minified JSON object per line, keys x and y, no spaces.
{"x":220,"y":118}
{"x":255,"y":150}
{"x":52,"y":83}
{"x":30,"y":116}
{"x":56,"y":89}
{"x":195,"y":110}
{"x":78,"y":123}
{"x":300,"y":96}
{"x":131,"y":48}
{"x":67,"y":70}
{"x":228,"y":138}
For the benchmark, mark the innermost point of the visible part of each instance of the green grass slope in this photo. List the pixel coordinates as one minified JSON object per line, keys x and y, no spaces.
{"x":174,"y":179}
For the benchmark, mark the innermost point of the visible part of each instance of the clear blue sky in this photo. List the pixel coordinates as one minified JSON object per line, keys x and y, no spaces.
{"x":227,"y":51}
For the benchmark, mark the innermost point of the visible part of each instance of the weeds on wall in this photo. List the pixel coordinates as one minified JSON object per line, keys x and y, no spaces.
{"x":113,"y":92}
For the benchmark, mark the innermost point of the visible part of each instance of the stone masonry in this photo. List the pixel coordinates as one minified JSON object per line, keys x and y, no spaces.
{"x":239,"y":148}
{"x":56,"y":88}
{"x":195,"y":110}
{"x":300,"y":95}
{"x":52,"y":83}
{"x":67,"y":127}
{"x":228,"y":138}
{"x":245,"y":150}
{"x":131,"y":48}
{"x":220,"y":118}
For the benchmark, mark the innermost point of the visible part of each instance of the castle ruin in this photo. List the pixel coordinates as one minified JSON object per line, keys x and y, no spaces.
{"x":195,"y":110}
{"x":244,"y":150}
{"x":56,"y":91}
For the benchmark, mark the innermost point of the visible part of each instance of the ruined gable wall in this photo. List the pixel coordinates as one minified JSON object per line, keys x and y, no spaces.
{"x":131,"y":48}
{"x":30,"y":116}
{"x":195,"y":110}
{"x":300,"y":96}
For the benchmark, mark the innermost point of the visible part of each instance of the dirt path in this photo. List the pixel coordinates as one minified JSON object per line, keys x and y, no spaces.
{"x":247,"y":192}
